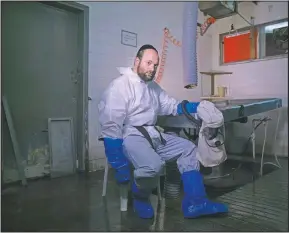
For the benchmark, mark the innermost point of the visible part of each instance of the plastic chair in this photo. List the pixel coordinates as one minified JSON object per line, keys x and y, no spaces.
{"x":123,"y":189}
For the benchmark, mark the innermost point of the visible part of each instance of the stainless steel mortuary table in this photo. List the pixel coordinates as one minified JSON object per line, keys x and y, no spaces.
{"x":232,"y":110}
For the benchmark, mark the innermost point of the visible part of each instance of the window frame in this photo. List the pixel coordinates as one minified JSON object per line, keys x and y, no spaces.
{"x":260,"y":43}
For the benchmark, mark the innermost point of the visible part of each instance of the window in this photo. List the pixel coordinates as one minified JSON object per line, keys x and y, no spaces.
{"x":276,"y":39}
{"x":269,"y":40}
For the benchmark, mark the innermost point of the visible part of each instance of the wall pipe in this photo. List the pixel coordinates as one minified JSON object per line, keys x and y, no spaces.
{"x":189,"y":45}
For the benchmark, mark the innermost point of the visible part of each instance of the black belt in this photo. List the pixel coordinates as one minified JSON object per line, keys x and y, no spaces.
{"x":145,"y":133}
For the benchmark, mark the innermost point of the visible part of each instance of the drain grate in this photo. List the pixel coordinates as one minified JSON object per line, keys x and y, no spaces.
{"x":264,"y":202}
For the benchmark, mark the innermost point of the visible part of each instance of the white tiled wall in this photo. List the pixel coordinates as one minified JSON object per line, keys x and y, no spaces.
{"x":147,"y":19}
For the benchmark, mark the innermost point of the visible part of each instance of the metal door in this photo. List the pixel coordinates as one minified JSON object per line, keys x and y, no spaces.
{"x":39,"y":72}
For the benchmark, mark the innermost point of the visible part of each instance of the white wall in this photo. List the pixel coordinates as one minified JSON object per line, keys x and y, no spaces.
{"x":263,"y":78}
{"x":147,"y":19}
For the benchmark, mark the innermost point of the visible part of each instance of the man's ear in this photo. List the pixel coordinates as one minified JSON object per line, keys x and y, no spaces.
{"x":137,"y":61}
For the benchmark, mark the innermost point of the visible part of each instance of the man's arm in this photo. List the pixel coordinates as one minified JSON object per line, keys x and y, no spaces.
{"x":171,"y":106}
{"x":168,"y":104}
{"x":112,"y":112}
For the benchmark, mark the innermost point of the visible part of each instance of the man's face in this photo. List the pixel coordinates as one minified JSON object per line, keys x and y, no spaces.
{"x":147,"y":66}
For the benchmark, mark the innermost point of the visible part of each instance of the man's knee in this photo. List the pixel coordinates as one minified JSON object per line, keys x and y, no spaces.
{"x":151,"y":169}
{"x":145,"y":160}
{"x":158,"y":168}
{"x":188,"y":146}
{"x":147,"y":176}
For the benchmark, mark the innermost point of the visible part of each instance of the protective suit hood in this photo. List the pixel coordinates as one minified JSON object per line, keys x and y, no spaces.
{"x":208,"y":154}
{"x":124,"y":70}
{"x":128,"y":72}
{"x":131,"y":74}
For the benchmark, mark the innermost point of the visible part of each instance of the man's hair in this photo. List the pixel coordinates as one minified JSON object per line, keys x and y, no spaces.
{"x":143,"y":48}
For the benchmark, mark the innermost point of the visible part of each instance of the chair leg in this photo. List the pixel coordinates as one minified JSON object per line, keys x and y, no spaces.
{"x":123,"y":190}
{"x":159,"y":185}
{"x":159,"y":190}
{"x":123,"y":197}
{"x":104,"y":184}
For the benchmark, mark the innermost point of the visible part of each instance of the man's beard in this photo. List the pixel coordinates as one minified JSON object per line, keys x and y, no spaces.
{"x":146,"y":76}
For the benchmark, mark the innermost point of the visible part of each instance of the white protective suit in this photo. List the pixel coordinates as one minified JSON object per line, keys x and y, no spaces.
{"x":128,"y":102}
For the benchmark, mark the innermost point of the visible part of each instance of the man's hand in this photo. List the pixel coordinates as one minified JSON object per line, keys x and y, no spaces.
{"x":191,"y":107}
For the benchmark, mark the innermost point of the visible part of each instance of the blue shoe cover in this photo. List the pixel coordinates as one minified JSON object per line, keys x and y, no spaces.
{"x":141,"y":203}
{"x":194,"y":208}
{"x":195,"y":203}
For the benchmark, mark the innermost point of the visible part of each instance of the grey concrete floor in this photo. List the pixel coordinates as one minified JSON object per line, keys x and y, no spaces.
{"x":75,"y":203}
